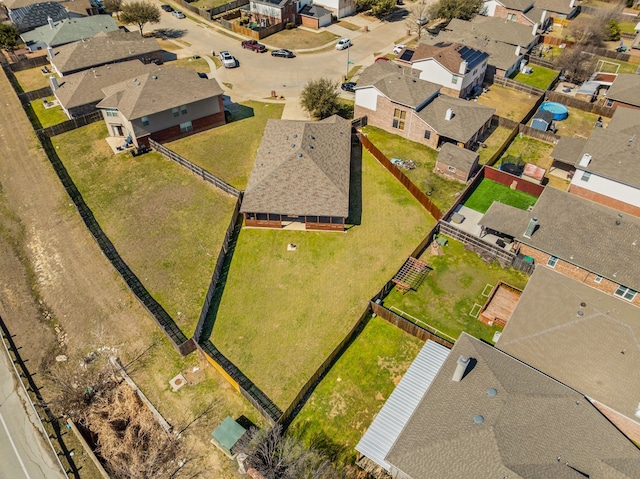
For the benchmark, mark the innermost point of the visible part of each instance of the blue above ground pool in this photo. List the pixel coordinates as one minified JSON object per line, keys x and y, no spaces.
{"x":559,"y":111}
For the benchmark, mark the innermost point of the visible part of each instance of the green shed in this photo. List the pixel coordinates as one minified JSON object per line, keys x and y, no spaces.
{"x":227,"y":434}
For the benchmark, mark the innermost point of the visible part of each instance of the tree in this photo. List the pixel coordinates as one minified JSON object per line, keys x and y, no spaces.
{"x":320,"y":98}
{"x":379,"y":8}
{"x":577,"y":63}
{"x":462,"y":9}
{"x":418,"y":18}
{"x":9,"y":37}
{"x":139,"y":13}
{"x":613,"y":30}
{"x":113,"y":6}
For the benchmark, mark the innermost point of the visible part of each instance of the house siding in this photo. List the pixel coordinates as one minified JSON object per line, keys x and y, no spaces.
{"x":575,"y":272}
{"x":616,"y":104}
{"x":627,"y":426}
{"x":606,"y":200}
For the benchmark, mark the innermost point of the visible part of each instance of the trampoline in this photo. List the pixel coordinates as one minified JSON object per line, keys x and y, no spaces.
{"x":558,"y":110}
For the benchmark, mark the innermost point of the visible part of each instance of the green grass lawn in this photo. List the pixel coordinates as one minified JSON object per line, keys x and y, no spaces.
{"x":196,"y":64}
{"x":443,"y":191}
{"x":32,"y":79}
{"x":45,"y":117}
{"x":495,"y":140}
{"x":450,"y":291}
{"x":625,"y":67}
{"x":229,"y":151}
{"x":166,"y":223}
{"x":541,"y":77}
{"x":530,"y":151}
{"x":489,"y":191}
{"x":298,"y":39}
{"x":281,"y":308}
{"x":344,"y":404}
{"x":578,"y":123}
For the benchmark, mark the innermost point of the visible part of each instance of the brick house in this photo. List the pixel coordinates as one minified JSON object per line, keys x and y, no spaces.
{"x":511,"y":33}
{"x":606,"y":164}
{"x":457,"y":163}
{"x":624,"y":91}
{"x":301,"y":176}
{"x":530,"y":12}
{"x":103,"y":49}
{"x":273,"y":12}
{"x":456,"y":67}
{"x":587,"y":241}
{"x":165,"y":104}
{"x":580,"y":326}
{"x":394,"y":99}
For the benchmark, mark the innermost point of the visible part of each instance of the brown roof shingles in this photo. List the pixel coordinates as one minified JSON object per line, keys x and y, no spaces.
{"x":625,"y":89}
{"x":468,"y":117}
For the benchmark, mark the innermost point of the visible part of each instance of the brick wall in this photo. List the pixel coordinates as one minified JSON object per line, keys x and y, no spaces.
{"x":575,"y":272}
{"x":502,"y":12}
{"x":174,"y":132}
{"x":442,"y":169}
{"x":604,"y":200}
{"x":616,"y":104}
{"x":629,"y":427}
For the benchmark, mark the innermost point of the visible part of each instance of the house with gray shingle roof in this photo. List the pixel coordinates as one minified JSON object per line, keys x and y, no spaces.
{"x":575,"y":236}
{"x":163,"y":104}
{"x":486,"y":414}
{"x":585,"y":338}
{"x":67,"y":30}
{"x":454,"y":66}
{"x":457,"y":163}
{"x":624,"y":91}
{"x":79,"y":93}
{"x":530,"y":12}
{"x":35,"y":15}
{"x":511,"y":33}
{"x":102,"y":49}
{"x":395,"y":99}
{"x":301,"y":176}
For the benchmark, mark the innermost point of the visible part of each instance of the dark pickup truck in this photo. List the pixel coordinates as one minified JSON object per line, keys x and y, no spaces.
{"x":254,"y":45}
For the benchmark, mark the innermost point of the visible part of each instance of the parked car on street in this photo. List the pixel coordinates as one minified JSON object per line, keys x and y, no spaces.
{"x":227,"y":59}
{"x":348,"y":86}
{"x":282,"y":52}
{"x":178,"y":14}
{"x":343,"y":43}
{"x":398,"y":48}
{"x":254,"y":45}
{"x":167,"y":8}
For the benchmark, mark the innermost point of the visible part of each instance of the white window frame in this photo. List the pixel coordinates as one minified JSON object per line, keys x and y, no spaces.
{"x":552,"y":261}
{"x":512,"y":17}
{"x":112,"y":112}
{"x":625,"y":293}
{"x":183,"y":110}
{"x":454,"y":79}
{"x":175,"y":112}
{"x":597,"y":279}
{"x":452,"y":169}
{"x":585,"y":176}
{"x":145,"y":121}
{"x":186,"y":127}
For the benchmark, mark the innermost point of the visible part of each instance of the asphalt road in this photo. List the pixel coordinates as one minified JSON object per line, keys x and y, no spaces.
{"x":23,"y":452}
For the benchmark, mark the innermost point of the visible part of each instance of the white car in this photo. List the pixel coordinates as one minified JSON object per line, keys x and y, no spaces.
{"x":228,"y":60}
{"x":398,"y":48}
{"x":178,"y":14}
{"x":343,"y":43}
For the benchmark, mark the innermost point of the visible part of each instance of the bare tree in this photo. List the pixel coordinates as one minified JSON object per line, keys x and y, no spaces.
{"x":577,"y":63}
{"x":418,"y":18}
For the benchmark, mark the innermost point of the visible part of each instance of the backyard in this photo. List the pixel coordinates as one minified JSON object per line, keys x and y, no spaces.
{"x":166,"y":223}
{"x":540,"y":77}
{"x":219,"y":150}
{"x":529,"y":151}
{"x":42,"y":117}
{"x":578,"y":123}
{"x":281,"y":308}
{"x":32,"y":79}
{"x":443,"y":191}
{"x":489,"y":191}
{"x":345,"y":402}
{"x":508,"y":103}
{"x":498,"y":135}
{"x":452,"y":290}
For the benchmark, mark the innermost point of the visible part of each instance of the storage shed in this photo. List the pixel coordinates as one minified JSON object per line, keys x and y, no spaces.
{"x":456,"y":162}
{"x":227,"y":435}
{"x":542,"y":120}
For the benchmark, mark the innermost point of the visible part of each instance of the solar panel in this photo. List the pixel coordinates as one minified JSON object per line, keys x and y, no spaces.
{"x":407,"y":55}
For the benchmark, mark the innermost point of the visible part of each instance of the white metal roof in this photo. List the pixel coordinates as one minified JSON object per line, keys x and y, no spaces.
{"x":388,"y":424}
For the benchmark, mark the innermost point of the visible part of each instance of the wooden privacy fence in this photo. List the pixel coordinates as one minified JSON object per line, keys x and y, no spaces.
{"x":226,"y":7}
{"x":518,"y":86}
{"x":419,"y":195}
{"x":505,"y":144}
{"x":29,"y":96}
{"x":68,"y":125}
{"x":538,"y":134}
{"x":28,"y":63}
{"x":582,"y":105}
{"x":204,"y":174}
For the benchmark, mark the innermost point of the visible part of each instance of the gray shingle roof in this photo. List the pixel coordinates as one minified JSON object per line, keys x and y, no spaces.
{"x":398,"y":83}
{"x":449,"y":55}
{"x":85,"y":87}
{"x":35,"y":15}
{"x":153,"y":92}
{"x":520,"y":5}
{"x":494,"y":28}
{"x":302,"y":168}
{"x":535,"y":14}
{"x":583,"y":352}
{"x":557,"y":6}
{"x":578,"y":231}
{"x":468,"y":117}
{"x":568,"y":150}
{"x":523,"y":429}
{"x":101,"y":49}
{"x":625,"y":89}
{"x":315,"y":11}
{"x":70,"y":30}
{"x":460,"y":158}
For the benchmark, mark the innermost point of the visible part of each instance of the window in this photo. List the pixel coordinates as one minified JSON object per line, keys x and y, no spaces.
{"x":585,"y":176}
{"x":398,"y":118}
{"x":552,"y":262}
{"x":186,"y":126}
{"x":112,"y":112}
{"x":175,"y":111}
{"x":452,"y":169}
{"x":597,"y":279}
{"x":183,"y":109}
{"x":512,"y":17}
{"x":454,"y":79}
{"x":625,"y":293}
{"x":145,"y":121}
{"x":427,"y":134}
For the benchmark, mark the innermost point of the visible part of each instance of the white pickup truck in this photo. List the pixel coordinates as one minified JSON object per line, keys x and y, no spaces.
{"x":228,"y":60}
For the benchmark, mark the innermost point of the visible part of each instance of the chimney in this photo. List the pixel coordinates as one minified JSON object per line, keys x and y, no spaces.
{"x":463,"y":67}
{"x":534,"y":30}
{"x":585,"y":160}
{"x":50,"y":53}
{"x":572,"y":4}
{"x":533,"y":222}
{"x":54,"y":82}
{"x":543,"y":17}
{"x":461,"y":368}
{"x":518,"y":48}
{"x":51,"y":24}
{"x":449,"y":114}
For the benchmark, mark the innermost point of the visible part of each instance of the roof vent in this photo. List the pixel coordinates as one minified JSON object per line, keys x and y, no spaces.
{"x":478,"y":419}
{"x":533,"y":222}
{"x":312,"y":137}
{"x":154,"y":77}
{"x":295,"y":135}
{"x":311,"y":147}
{"x":299,"y":155}
{"x":449,"y":114}
{"x":493,"y":392}
{"x":135,"y":80}
{"x":461,"y":368}
{"x":619,"y":219}
{"x":293,"y":145}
